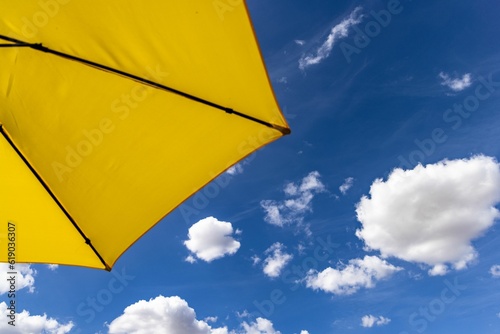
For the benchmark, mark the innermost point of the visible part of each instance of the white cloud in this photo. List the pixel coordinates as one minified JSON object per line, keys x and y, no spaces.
{"x":431,"y":214}
{"x":53,"y":267}
{"x":276,"y":260}
{"x":338,"y":32}
{"x":456,"y":84}
{"x":348,"y":183}
{"x":211,"y":239}
{"x":304,"y":332}
{"x":26,"y":323}
{"x":244,"y":314}
{"x":495,"y":271}
{"x":299,"y":201}
{"x":211,"y":319}
{"x":283,"y":80}
{"x":235,"y":170}
{"x":255,"y":260}
{"x":161,"y":315}
{"x":299,"y":42}
{"x":25,"y":277}
{"x":359,"y":273}
{"x":260,"y":326}
{"x":370,"y":321}
{"x":438,"y":270}
{"x":190,"y":259}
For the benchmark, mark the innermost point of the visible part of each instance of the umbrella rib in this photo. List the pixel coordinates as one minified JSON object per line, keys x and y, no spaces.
{"x":54,"y":198}
{"x":40,"y":47}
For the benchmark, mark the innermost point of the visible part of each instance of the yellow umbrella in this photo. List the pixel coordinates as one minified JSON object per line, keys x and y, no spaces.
{"x":112,"y":113}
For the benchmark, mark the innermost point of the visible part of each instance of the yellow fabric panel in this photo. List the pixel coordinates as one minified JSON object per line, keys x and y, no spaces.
{"x":207,"y":47}
{"x":43,"y":233}
{"x":120,"y":155}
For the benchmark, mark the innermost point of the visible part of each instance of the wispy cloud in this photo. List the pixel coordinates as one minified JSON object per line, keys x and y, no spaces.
{"x":442,"y":206}
{"x":298,"y":202}
{"x":276,"y":260}
{"x":456,"y":84}
{"x":359,"y":273}
{"x":348,"y":183}
{"x":338,"y":32}
{"x":369,"y":321}
{"x":211,"y":239}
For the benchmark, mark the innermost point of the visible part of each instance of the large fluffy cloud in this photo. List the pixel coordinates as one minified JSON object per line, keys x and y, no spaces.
{"x":276,"y":260}
{"x":431,"y":214}
{"x":26,"y":323}
{"x":161,"y":315}
{"x":25,"y":277}
{"x":350,"y":278}
{"x":298,"y":201}
{"x":173,"y":315}
{"x":211,"y":239}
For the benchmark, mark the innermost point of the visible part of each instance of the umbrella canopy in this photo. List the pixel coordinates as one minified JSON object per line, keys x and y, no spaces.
{"x":112,"y":113}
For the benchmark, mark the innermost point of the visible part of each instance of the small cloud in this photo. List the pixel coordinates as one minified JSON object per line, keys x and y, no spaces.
{"x":456,"y":84}
{"x":255,"y":260}
{"x":304,"y":332}
{"x":211,"y":239}
{"x":276,"y":260}
{"x":235,"y":170}
{"x":260,"y":326}
{"x":293,"y":209}
{"x":299,"y":42}
{"x":338,"y":32}
{"x":283,"y":80}
{"x":369,"y":321}
{"x":211,"y":319}
{"x":495,"y":271}
{"x":438,"y":270}
{"x":244,"y":314}
{"x":53,"y":267}
{"x":190,"y":259}
{"x":348,"y":183}
{"x":359,"y":273}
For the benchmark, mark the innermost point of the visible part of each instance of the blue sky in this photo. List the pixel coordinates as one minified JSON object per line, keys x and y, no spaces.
{"x":335,"y":228}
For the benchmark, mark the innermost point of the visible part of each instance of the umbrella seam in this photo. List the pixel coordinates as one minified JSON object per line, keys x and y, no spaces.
{"x":40,"y":47}
{"x":53,"y":196}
